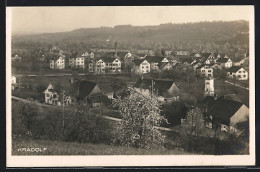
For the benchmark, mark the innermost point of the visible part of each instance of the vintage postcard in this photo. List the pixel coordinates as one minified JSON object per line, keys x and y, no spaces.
{"x":130,"y":86}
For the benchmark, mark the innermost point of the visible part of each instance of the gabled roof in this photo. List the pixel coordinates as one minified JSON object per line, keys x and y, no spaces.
{"x":222,"y":60}
{"x":106,"y":88}
{"x":234,"y":69}
{"x":138,"y":61}
{"x":155,"y":59}
{"x":183,"y":60}
{"x":98,"y":98}
{"x":205,"y":54}
{"x":161,"y":85}
{"x":108,"y":59}
{"x":82,"y":88}
{"x":222,"y":109}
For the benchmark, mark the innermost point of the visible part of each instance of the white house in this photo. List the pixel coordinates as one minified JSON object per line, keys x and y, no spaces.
{"x":225,"y":62}
{"x":205,"y":71}
{"x":100,"y":66}
{"x":51,"y":96}
{"x":239,"y":72}
{"x":80,"y":62}
{"x":57,"y":63}
{"x":142,"y":66}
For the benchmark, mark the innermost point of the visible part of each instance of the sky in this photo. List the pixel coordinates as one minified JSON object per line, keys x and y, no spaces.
{"x":59,"y":19}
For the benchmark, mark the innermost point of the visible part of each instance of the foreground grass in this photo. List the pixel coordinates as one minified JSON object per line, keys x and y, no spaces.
{"x":73,"y":148}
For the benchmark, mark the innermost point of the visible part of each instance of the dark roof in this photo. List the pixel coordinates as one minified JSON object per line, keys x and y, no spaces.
{"x":234,"y":69}
{"x":82,"y":88}
{"x":97,"y":98}
{"x":52,"y":90}
{"x":138,"y":61}
{"x":155,"y":59}
{"x":222,"y":60}
{"x":108,"y":59}
{"x":161,"y":85}
{"x":205,"y":54}
{"x":222,"y":109}
{"x":188,"y":60}
{"x":106,"y":88}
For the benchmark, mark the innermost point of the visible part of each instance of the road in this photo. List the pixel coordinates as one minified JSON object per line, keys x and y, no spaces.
{"x":237,"y":85}
{"x":106,"y":117}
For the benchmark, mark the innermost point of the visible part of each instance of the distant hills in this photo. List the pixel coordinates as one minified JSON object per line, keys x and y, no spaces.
{"x":218,"y":32}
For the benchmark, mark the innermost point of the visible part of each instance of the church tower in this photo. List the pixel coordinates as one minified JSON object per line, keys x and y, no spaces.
{"x":209,"y":87}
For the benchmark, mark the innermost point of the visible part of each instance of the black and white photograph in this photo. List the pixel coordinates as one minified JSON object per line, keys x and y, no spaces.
{"x":130,"y":86}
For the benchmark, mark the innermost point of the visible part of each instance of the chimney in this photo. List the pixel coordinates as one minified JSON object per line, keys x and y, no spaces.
{"x":71,"y":80}
{"x":116,"y":49}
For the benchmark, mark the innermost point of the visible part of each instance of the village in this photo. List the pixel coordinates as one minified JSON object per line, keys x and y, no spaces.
{"x":168,"y":76}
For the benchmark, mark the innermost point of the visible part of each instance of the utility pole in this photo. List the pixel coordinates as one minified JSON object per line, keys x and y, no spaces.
{"x":152,"y":88}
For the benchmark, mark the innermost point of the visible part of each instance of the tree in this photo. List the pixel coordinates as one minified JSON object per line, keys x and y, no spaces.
{"x":141,"y":117}
{"x":194,"y":122}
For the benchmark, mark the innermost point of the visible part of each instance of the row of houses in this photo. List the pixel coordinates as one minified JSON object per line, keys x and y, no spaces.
{"x":223,"y":113}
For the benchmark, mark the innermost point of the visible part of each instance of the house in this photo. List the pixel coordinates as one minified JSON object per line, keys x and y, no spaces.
{"x":80,"y":62}
{"x":224,"y":62}
{"x":155,"y":61}
{"x":165,"y":90}
{"x":100,"y":66}
{"x":166,"y":66}
{"x":72,"y":62}
{"x":182,"y":52}
{"x":112,"y":64}
{"x":195,"y":55}
{"x":51,"y":96}
{"x":88,"y":93}
{"x":91,"y":55}
{"x":14,"y":84}
{"x":141,"y":66}
{"x":237,"y":72}
{"x":224,"y":114}
{"x":17,"y":58}
{"x":107,"y":90}
{"x":205,"y":71}
{"x":57,"y":63}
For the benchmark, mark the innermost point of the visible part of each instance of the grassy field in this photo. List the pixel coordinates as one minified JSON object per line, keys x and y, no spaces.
{"x":73,"y":148}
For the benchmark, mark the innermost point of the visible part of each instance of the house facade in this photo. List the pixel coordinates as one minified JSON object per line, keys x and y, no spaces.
{"x":224,"y":114}
{"x":57,"y":63}
{"x":142,"y":66}
{"x":225,"y":62}
{"x":51,"y":96}
{"x":237,"y":72}
{"x":205,"y":71}
{"x":165,"y":91}
{"x":100,"y":66}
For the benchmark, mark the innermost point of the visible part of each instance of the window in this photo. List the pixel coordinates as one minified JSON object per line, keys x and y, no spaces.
{"x":47,"y":95}
{"x":203,"y":70}
{"x":244,"y":76}
{"x":209,"y":75}
{"x":209,"y":70}
{"x":142,"y":67}
{"x":146,"y":66}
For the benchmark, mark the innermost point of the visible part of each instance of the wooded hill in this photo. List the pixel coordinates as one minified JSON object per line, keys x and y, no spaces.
{"x":219,"y":32}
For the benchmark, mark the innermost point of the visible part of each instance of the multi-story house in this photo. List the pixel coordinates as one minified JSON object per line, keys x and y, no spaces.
{"x":80,"y":62}
{"x":51,"y":96}
{"x":141,"y":66}
{"x":100,"y":66}
{"x":224,"y":62}
{"x":205,"y":71}
{"x":237,"y":72}
{"x":155,"y":61}
{"x":112,"y":64}
{"x":57,"y":63}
